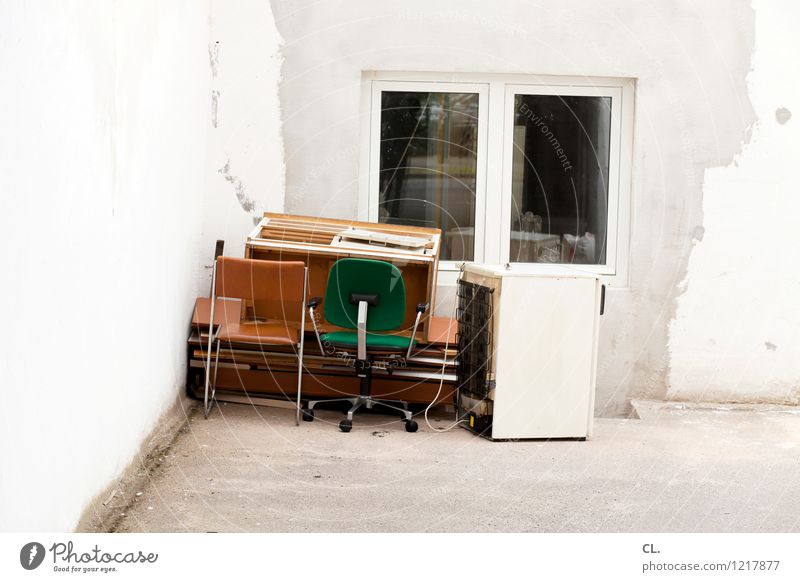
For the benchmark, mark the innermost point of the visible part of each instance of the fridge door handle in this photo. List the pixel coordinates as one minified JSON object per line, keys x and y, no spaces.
{"x":602,"y":299}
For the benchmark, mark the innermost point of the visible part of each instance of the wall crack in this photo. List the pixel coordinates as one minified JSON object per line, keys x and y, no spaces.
{"x":247,"y":203}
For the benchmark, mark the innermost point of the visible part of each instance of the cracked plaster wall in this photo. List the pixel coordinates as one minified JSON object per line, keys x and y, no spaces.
{"x":692,"y":112}
{"x":736,"y":334}
{"x":244,"y":168}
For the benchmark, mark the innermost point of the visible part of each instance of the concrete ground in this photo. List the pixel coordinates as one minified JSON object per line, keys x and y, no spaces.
{"x":677,"y":469}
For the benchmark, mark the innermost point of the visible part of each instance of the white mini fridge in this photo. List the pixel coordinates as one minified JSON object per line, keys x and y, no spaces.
{"x":527,"y":350}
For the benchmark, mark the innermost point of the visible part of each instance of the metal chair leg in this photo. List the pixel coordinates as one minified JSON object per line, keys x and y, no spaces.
{"x":216,"y":369}
{"x":207,"y":381}
{"x":301,"y":347}
{"x":299,"y":386}
{"x":209,"y":402}
{"x":210,"y":342}
{"x":385,"y":403}
{"x":356,"y":405}
{"x":312,"y":403}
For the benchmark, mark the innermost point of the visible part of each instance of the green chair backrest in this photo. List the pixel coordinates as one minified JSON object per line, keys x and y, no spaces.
{"x":367,"y":277}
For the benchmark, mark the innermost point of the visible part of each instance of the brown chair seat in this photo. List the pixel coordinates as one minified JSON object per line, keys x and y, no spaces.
{"x":273,"y":334}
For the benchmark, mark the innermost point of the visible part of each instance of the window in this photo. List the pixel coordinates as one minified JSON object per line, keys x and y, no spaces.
{"x":520,"y":169}
{"x":428,"y":163}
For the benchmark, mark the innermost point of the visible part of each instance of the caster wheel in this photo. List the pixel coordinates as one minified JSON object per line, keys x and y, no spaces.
{"x":345,"y":425}
{"x":308,"y":414}
{"x":411,"y":426}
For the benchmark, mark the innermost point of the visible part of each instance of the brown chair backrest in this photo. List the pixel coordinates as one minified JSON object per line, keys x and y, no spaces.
{"x":275,"y":284}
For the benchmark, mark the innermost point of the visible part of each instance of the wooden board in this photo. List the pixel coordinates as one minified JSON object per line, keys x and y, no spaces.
{"x":283,"y":384}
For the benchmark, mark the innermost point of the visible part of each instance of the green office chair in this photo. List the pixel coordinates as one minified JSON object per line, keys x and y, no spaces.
{"x":367,"y":296}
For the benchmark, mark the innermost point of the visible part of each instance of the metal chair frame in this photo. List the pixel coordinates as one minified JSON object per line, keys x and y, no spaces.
{"x":213,"y":338}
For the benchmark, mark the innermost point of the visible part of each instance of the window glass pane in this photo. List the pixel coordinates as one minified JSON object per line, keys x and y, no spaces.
{"x":428,"y":161}
{"x":559,"y":206}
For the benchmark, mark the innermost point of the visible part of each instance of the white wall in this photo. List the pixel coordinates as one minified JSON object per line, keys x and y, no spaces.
{"x":736,"y":335}
{"x":244,"y":167}
{"x":103,"y":125}
{"x":690,"y":60}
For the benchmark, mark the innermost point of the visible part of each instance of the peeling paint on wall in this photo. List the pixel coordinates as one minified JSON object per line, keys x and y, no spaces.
{"x":247,"y":204}
{"x":782,"y":115}
{"x":213,"y":58}
{"x":214,"y":108}
{"x":243,"y":64}
{"x":738,"y":288}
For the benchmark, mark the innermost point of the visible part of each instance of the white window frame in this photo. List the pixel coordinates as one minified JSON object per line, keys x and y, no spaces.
{"x":495,"y":155}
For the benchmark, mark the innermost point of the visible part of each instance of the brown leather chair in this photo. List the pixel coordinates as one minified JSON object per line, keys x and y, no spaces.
{"x":276,"y":291}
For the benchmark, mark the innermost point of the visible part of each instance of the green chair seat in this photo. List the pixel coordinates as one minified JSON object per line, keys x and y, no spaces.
{"x":374,"y":340}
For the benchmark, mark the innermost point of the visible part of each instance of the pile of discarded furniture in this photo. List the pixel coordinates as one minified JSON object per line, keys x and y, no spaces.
{"x":322,"y":309}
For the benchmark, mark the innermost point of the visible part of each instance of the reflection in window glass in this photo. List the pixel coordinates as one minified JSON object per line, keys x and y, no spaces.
{"x":559,"y":203}
{"x":428,"y":162}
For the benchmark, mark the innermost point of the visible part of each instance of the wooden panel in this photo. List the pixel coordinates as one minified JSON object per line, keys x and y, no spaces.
{"x":280,"y":383}
{"x":334,"y":225}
